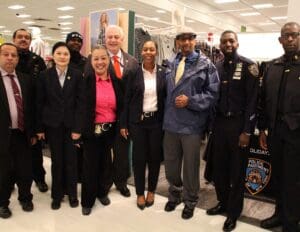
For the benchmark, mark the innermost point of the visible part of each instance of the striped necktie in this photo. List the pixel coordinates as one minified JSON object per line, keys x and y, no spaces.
{"x":19,"y":102}
{"x":180,"y":69}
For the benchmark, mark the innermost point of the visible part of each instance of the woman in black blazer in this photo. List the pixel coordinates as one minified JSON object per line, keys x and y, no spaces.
{"x":102,"y":110}
{"x":142,"y":119}
{"x":60,"y":105}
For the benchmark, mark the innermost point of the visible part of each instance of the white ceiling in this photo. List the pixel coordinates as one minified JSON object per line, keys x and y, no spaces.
{"x":208,"y":16}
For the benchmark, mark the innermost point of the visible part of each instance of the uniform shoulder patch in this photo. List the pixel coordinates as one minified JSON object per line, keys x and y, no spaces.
{"x":253,"y":69}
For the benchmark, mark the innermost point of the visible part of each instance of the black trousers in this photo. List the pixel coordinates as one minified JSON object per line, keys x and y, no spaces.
{"x":38,"y":170}
{"x":147,"y":142}
{"x":120,"y":160}
{"x":16,"y":167}
{"x":285,"y":160}
{"x":64,"y":162}
{"x":96,"y":175}
{"x":229,"y":163}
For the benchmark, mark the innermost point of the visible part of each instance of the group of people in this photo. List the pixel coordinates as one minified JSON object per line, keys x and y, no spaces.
{"x":89,"y":109}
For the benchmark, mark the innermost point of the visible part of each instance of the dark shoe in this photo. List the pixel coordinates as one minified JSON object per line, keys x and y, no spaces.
{"x":170,"y":206}
{"x":141,"y":202}
{"x":124,"y":191}
{"x":187,"y":212}
{"x":86,"y":211}
{"x":271,"y":222}
{"x":42,"y":186}
{"x":73,"y":202}
{"x":104,"y":200}
{"x":150,"y":199}
{"x":229,"y":224}
{"x":5,"y":212}
{"x":27,"y":206}
{"x":218,"y":209}
{"x":55,"y":204}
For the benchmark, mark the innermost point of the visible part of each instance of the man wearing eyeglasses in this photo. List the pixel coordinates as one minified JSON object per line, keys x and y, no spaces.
{"x":280,"y":115}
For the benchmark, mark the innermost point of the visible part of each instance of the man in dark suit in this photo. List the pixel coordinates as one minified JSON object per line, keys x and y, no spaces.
{"x":124,"y":66}
{"x":31,"y":64}
{"x":15,"y":131}
{"x":280,"y":115}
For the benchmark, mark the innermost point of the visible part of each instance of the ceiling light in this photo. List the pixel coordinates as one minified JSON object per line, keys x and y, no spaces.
{"x":23,"y":15}
{"x":263,"y":6}
{"x":155,"y":19}
{"x":279,"y":18}
{"x":2,"y":27}
{"x":65,"y":23}
{"x":6,"y":31}
{"x":65,"y":28}
{"x":190,"y":21}
{"x":65,"y":8}
{"x":16,"y":7}
{"x":121,"y":8}
{"x":65,"y":32}
{"x":28,"y":22}
{"x":267,"y":24}
{"x":250,"y":14}
{"x":65,"y":17}
{"x":161,"y":11}
{"x":225,"y":1}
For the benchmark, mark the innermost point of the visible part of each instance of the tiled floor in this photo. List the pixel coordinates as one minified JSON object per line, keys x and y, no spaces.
{"x":121,"y":216}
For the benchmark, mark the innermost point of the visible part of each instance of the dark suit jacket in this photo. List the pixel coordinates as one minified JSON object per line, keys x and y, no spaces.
{"x":133,"y":102}
{"x":56,"y":105}
{"x":5,"y":120}
{"x":130,"y":66}
{"x":89,"y":115}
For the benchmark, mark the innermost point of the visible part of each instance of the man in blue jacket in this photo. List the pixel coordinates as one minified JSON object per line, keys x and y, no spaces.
{"x":192,"y":89}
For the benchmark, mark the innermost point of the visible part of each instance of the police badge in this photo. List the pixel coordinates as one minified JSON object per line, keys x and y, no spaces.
{"x":258,"y":174}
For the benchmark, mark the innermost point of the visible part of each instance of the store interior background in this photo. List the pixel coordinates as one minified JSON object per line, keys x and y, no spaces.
{"x":258,"y":22}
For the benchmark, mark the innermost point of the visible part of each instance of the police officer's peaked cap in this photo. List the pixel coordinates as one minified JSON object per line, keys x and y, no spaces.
{"x":74,"y":35}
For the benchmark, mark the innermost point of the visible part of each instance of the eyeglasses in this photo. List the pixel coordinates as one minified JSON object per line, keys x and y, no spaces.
{"x":294,"y":35}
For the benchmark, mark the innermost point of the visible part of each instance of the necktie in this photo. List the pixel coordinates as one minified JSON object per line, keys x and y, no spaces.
{"x":19,"y":102}
{"x":180,"y":69}
{"x":117,"y":67}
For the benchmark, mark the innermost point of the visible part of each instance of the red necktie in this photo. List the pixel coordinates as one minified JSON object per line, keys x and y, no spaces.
{"x":19,"y":102}
{"x":117,"y":67}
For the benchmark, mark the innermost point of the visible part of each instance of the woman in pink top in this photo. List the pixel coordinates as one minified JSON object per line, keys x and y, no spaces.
{"x":103,"y":101}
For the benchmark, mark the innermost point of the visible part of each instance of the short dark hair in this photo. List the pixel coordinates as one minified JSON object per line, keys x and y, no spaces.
{"x":229,"y":32}
{"x":8,"y":44}
{"x":150,"y":40}
{"x":289,"y":24}
{"x":21,"y":29}
{"x":59,"y":44}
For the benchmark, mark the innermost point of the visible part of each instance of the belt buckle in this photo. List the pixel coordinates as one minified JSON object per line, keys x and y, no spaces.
{"x":147,"y":114}
{"x":98,"y":129}
{"x":105,"y":126}
{"x":228,"y":114}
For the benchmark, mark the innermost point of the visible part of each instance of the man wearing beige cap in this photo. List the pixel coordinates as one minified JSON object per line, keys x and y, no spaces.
{"x":192,"y":87}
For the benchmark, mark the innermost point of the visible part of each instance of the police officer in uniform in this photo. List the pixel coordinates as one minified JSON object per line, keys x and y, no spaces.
{"x":280,"y":101}
{"x":74,"y":41}
{"x":31,"y":64}
{"x":233,"y":125}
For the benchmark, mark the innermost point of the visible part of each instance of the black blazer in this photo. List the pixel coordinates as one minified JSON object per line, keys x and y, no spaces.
{"x":133,"y":102}
{"x":5,"y":120}
{"x":89,"y":115}
{"x":130,"y":67}
{"x":56,"y":105}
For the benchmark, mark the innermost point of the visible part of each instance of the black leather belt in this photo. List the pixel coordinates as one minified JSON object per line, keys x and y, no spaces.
{"x":102,"y":127}
{"x":230,"y":114}
{"x":148,"y":115}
